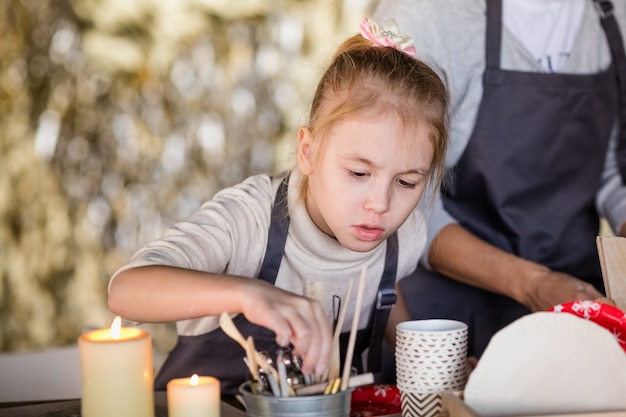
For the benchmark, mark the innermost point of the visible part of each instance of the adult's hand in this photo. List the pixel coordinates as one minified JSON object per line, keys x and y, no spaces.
{"x":459,"y":254}
{"x":548,"y":288}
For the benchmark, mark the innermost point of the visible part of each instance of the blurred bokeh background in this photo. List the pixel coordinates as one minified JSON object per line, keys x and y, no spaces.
{"x":119,"y":117}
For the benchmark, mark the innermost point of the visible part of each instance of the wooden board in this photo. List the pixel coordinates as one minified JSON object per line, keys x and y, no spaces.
{"x":612,"y":254}
{"x":452,"y":405}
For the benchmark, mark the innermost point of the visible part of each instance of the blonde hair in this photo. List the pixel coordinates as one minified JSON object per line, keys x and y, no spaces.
{"x":364,"y":77}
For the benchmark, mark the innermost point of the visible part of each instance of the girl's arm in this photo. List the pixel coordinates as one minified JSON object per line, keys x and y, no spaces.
{"x":163,"y":294}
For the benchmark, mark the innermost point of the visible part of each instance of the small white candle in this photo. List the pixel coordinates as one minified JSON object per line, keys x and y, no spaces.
{"x":193,"y":397}
{"x":116,"y":372}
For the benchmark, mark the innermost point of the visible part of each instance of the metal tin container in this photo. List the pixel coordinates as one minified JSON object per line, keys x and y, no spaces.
{"x":332,"y":405}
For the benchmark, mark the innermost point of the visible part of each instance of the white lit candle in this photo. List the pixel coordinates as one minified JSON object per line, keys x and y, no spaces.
{"x":116,"y":372}
{"x":193,"y":397}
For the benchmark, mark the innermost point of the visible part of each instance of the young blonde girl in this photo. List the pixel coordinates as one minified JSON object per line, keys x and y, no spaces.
{"x":276,"y":252}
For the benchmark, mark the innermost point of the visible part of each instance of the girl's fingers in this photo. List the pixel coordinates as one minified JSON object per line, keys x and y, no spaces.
{"x":313,"y":341}
{"x":294,"y":319}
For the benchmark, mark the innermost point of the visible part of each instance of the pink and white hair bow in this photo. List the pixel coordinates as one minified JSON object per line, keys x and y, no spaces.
{"x":387,"y":35}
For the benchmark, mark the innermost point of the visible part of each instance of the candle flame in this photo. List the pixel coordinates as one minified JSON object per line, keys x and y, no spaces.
{"x":116,"y":328}
{"x":194,"y":379}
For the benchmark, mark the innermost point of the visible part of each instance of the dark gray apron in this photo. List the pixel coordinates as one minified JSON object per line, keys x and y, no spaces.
{"x":527,"y":180}
{"x":216,"y":354}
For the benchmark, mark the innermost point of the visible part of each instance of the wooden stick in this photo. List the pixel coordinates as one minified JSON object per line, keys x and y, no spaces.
{"x":347,"y":364}
{"x":355,"y":381}
{"x":252,"y":365}
{"x":333,"y":370}
{"x":228,"y":326}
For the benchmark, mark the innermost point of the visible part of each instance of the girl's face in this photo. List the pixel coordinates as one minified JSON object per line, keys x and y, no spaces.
{"x":364,"y":178}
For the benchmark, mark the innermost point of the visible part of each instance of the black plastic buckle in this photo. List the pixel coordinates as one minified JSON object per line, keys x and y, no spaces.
{"x":386,"y":299}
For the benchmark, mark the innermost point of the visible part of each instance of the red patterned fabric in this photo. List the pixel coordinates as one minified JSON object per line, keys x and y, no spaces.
{"x":375,"y":400}
{"x":611,"y":318}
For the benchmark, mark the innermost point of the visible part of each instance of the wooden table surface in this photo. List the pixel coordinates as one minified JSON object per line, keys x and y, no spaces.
{"x":71,"y":408}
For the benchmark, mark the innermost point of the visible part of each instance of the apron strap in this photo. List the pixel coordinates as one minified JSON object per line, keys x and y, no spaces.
{"x":385,"y":299}
{"x":279,"y":226}
{"x":493,"y":36}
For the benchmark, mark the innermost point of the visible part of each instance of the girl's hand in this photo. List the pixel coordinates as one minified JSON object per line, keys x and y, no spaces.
{"x":295,"y":319}
{"x":550,"y":288}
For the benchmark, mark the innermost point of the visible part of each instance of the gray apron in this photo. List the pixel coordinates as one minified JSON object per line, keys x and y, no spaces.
{"x":527,"y":180}
{"x":216,"y":354}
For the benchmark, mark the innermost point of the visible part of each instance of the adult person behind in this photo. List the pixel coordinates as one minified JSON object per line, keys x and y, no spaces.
{"x":537,"y":92}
